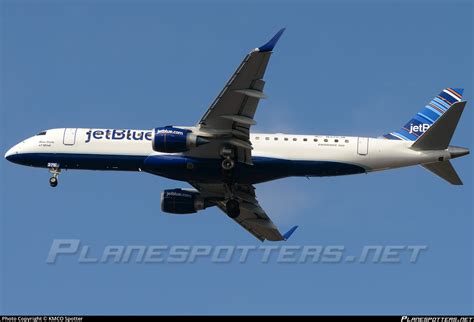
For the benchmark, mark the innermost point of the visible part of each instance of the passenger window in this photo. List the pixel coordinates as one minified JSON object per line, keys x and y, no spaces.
{"x":336,"y":140}
{"x":294,"y":139}
{"x":276,"y":139}
{"x":257,"y":138}
{"x":286,"y":139}
{"x":305,"y":139}
{"x":347,"y":141}
{"x":315,"y":140}
{"x":267,"y":138}
{"x":325,"y":140}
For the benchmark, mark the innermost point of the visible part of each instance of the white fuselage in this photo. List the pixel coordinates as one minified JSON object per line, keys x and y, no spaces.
{"x":82,"y":148}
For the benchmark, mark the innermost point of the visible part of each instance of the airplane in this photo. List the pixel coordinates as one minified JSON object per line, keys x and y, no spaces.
{"x":223,"y":161}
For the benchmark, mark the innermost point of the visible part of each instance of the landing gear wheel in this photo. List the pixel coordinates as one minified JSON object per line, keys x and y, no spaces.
{"x":228,"y":164}
{"x":55,"y":171}
{"x":53,"y":181}
{"x":233,"y":208}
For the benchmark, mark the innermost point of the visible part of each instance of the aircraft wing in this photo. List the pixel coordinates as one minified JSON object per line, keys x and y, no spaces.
{"x":231,"y":115}
{"x":252,"y":216}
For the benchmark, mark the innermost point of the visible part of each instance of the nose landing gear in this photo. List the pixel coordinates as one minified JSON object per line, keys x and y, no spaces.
{"x":55,"y":171}
{"x":53,"y":181}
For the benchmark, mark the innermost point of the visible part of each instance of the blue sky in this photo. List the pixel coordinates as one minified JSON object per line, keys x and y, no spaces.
{"x":351,"y":68}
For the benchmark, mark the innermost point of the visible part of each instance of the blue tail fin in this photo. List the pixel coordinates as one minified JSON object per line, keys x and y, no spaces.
{"x":427,"y":116}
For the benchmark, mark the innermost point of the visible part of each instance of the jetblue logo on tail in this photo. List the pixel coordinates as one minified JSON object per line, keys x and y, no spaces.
{"x":427,"y":116}
{"x":419,"y":129}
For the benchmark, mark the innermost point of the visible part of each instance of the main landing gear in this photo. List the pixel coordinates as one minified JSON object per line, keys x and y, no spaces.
{"x":233,"y":208}
{"x":53,"y":181}
{"x":228,"y":164}
{"x":232,"y":205}
{"x":227,"y":153}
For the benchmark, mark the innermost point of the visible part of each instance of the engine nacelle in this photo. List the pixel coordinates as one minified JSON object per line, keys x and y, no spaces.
{"x":172,"y":139}
{"x":179,"y":201}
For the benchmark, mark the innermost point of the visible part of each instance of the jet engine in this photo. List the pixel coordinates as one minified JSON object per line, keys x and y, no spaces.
{"x":179,"y":201}
{"x":170,"y":139}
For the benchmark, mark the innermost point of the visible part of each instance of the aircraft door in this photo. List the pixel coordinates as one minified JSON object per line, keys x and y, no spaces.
{"x":362,"y":146}
{"x":69,"y":136}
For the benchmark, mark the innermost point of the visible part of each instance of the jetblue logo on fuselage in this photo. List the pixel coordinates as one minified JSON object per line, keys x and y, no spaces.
{"x":131,"y":135}
{"x":419,"y":129}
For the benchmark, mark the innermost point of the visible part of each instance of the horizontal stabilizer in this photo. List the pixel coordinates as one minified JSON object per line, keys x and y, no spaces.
{"x":444,"y":170}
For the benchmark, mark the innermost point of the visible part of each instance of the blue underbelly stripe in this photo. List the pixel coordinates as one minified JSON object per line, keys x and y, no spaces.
{"x":183,"y":168}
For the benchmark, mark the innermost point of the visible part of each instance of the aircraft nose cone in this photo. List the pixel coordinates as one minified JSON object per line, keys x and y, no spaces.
{"x":10,"y":155}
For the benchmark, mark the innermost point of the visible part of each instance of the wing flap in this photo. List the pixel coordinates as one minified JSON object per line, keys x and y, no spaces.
{"x":240,"y":119}
{"x":252,"y":93}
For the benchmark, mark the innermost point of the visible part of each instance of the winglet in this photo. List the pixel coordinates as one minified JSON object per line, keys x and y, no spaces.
{"x":288,"y":234}
{"x":271,"y":44}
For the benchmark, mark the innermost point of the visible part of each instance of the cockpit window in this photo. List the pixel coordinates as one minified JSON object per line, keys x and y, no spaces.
{"x":42,"y":133}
